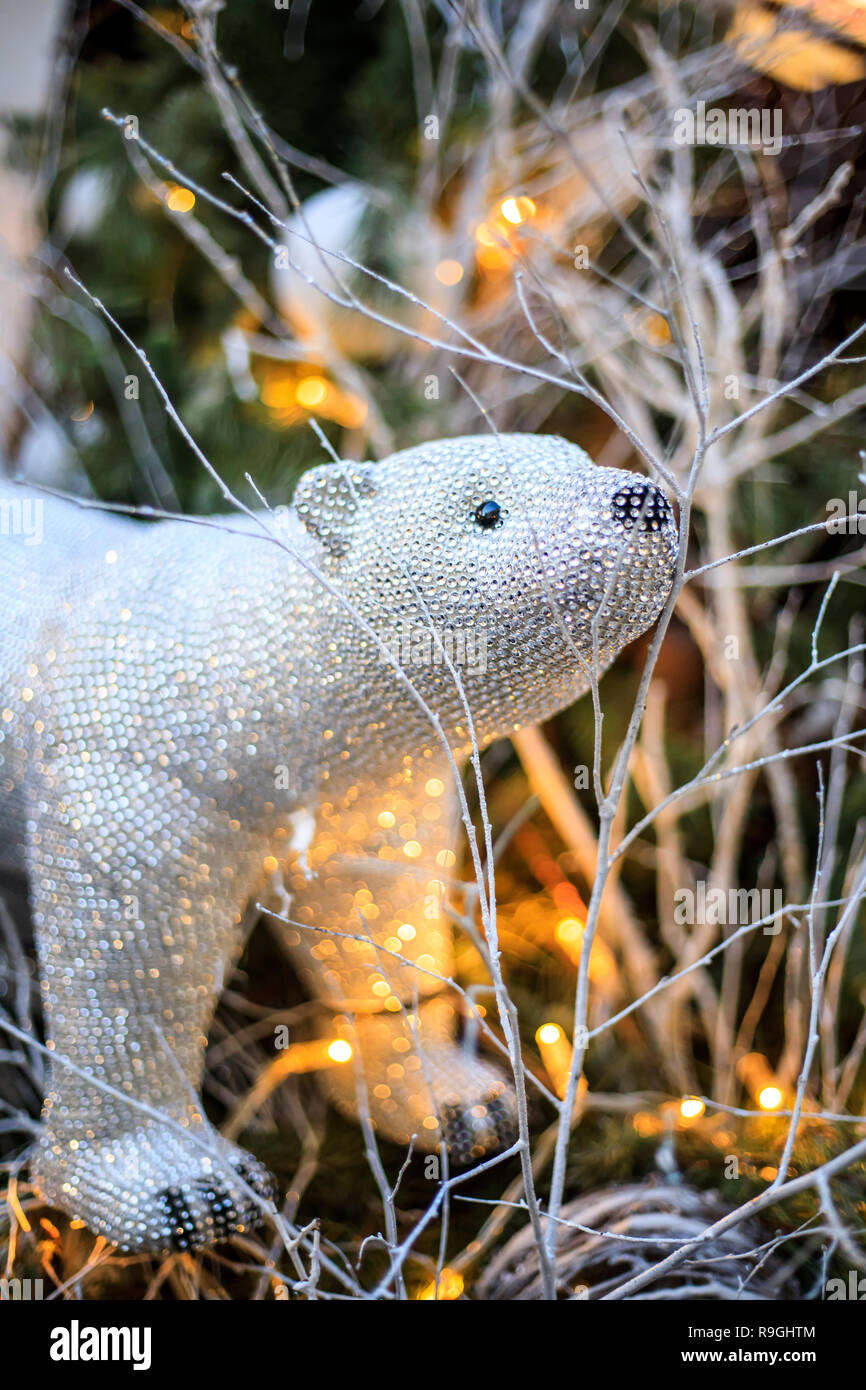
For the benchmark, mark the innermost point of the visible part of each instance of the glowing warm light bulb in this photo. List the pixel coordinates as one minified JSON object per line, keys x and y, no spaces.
{"x":449,"y":272}
{"x":180,"y":199}
{"x":311,"y":391}
{"x":517,"y":210}
{"x":450,"y":1287}
{"x":339,"y":1050}
{"x":692,"y":1107}
{"x":569,"y":931}
{"x":760,"y":1080}
{"x":770,"y":1098}
{"x":556,"y":1054}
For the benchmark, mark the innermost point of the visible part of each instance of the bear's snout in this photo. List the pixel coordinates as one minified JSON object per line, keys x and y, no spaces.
{"x":641,"y":504}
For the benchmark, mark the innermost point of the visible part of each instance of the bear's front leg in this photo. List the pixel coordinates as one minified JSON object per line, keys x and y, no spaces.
{"x":377,"y":866}
{"x":137,"y":920}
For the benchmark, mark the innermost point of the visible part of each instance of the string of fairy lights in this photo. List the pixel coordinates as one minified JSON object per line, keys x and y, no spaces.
{"x":292,"y":391}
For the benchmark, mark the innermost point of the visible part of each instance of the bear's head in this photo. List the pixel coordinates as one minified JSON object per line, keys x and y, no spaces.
{"x":513,"y":561}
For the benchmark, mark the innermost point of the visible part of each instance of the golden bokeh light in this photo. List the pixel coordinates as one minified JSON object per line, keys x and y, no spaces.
{"x":179,"y":199}
{"x":770,"y":1098}
{"x":450,"y":1286}
{"x":290,"y":392}
{"x":569,"y":931}
{"x":449,"y":272}
{"x":517,"y":210}
{"x":691,"y":1107}
{"x":556,"y":1054}
{"x":311,"y":391}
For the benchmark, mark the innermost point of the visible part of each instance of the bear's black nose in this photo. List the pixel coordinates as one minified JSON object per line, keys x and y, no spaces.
{"x":641,"y":503}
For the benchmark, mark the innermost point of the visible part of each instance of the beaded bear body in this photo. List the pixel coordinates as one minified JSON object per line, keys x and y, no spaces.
{"x":193,"y":711}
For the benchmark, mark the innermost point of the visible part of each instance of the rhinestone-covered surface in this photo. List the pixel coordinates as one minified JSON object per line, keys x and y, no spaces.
{"x":190,"y":714}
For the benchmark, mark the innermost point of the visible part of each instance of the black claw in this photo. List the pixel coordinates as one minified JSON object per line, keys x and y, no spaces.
{"x":187,"y":1233}
{"x":182,"y":1226}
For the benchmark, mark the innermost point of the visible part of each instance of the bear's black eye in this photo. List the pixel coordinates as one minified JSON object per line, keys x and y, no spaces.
{"x":488,"y":514}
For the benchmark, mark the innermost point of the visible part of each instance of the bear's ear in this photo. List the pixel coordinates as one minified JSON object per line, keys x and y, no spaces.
{"x":327,"y":498}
